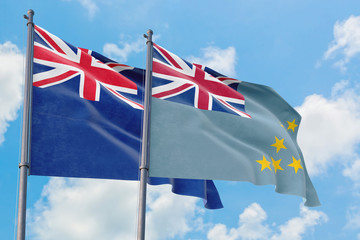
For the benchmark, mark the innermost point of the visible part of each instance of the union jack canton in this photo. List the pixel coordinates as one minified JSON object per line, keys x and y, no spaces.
{"x":63,"y":62}
{"x":199,"y":86}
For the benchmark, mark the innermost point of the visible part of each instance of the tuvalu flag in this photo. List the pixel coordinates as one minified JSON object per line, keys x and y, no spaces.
{"x":208,"y":126}
{"x":86,"y":118}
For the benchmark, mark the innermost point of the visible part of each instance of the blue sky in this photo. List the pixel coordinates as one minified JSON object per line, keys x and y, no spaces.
{"x":308,"y":51}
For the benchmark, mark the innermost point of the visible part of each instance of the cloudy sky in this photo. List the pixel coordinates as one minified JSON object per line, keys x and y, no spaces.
{"x":309,"y":52}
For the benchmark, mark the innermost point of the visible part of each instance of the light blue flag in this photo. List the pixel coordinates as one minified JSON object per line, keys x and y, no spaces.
{"x":258,"y":146}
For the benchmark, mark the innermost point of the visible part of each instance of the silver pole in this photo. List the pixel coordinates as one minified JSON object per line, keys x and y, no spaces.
{"x":25,"y":144}
{"x":144,"y":167}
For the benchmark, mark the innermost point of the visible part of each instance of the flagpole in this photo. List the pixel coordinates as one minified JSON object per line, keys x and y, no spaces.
{"x":24,"y":165}
{"x":144,"y":166}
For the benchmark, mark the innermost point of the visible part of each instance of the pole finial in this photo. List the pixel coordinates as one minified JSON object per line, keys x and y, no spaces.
{"x":30,"y":16}
{"x":149,"y":36}
{"x":31,"y":12}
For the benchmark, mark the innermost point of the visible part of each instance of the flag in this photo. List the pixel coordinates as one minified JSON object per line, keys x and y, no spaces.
{"x":208,"y":126}
{"x":87,"y":118}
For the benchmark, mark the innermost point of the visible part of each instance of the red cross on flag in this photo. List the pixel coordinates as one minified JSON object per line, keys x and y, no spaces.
{"x":182,"y":77}
{"x":65,"y":62}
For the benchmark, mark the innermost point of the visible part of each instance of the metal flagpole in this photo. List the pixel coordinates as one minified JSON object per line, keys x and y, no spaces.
{"x":25,"y":144}
{"x":144,"y":166}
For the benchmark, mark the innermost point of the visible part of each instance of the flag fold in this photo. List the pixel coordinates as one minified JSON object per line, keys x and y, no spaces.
{"x":86,"y":118}
{"x":205,"y":125}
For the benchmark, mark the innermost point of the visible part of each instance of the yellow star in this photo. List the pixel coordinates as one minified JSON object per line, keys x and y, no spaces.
{"x":292,"y":125}
{"x":296,"y":164}
{"x":278,"y":144}
{"x":264,"y":163}
{"x":276,"y":164}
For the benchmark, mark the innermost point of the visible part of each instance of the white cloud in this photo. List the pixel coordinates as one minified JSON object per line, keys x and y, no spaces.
{"x":169,"y":216}
{"x":252,"y":226}
{"x":346,"y":41}
{"x":330,"y":128}
{"x":89,"y":5}
{"x":85,"y":209}
{"x":11,"y":80}
{"x":251,"y":223}
{"x":353,"y":171}
{"x":298,"y":226}
{"x":104,"y":209}
{"x":220,"y":232}
{"x":113,"y":51}
{"x":221,"y":60}
{"x":353,"y":218}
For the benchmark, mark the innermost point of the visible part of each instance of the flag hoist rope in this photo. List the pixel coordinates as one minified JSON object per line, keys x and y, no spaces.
{"x":26,"y":128}
{"x":145,"y":153}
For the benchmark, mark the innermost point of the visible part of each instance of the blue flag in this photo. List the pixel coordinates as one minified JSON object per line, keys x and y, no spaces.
{"x":215,"y":127}
{"x":86,"y":118}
